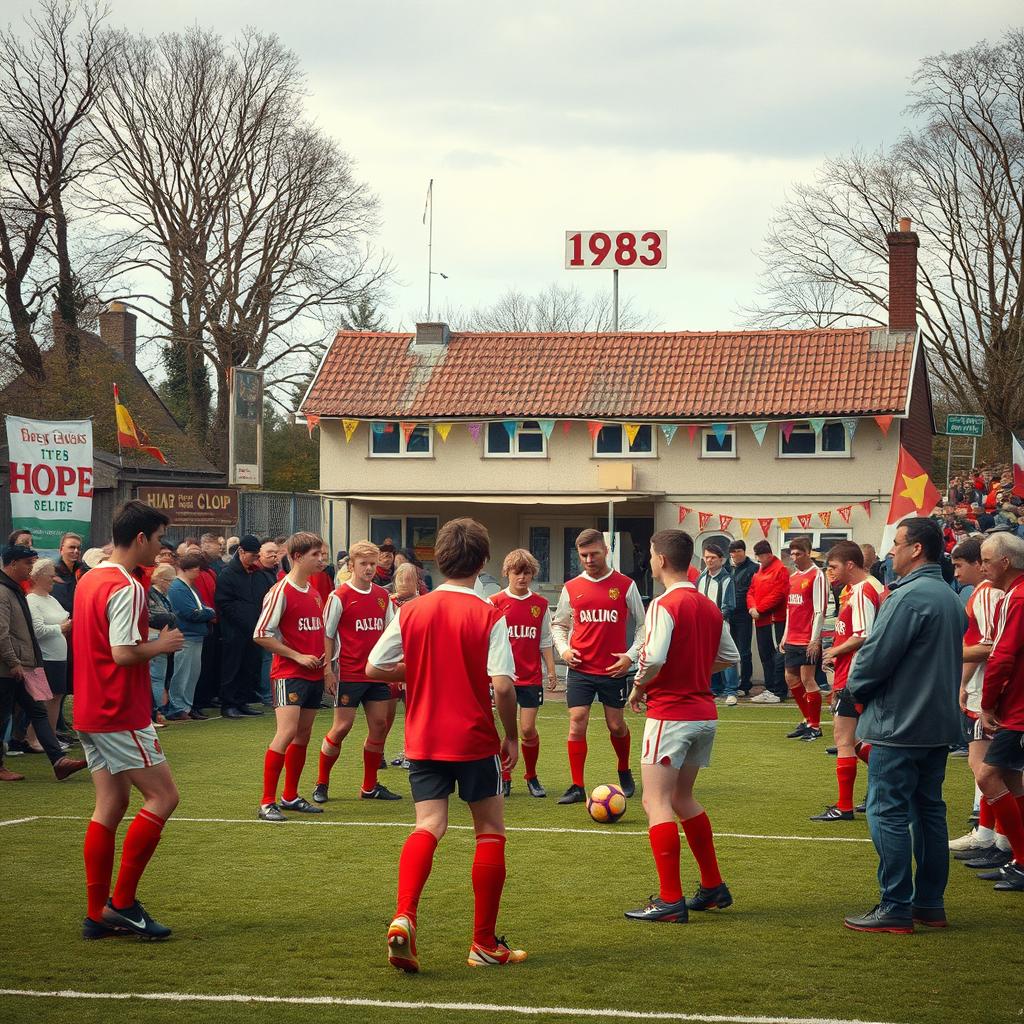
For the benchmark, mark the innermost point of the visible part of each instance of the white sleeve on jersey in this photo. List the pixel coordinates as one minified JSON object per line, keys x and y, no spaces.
{"x":727,"y":649}
{"x":862,"y":611}
{"x":332,"y":616}
{"x":389,"y":613}
{"x":499,"y":651}
{"x":658,"y":626}
{"x":270,"y":618}
{"x":635,"y":605}
{"x":123,"y":609}
{"x":819,"y":598}
{"x":561,"y":623}
{"x":388,"y":650}
{"x":545,"y":631}
{"x":985,"y":612}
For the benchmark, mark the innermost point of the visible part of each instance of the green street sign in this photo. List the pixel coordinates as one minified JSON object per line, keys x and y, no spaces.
{"x":960,"y":425}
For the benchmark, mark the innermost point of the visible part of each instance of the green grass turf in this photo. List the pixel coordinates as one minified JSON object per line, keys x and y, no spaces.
{"x":301,"y":909}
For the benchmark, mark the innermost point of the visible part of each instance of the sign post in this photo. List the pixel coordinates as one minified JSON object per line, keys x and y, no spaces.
{"x":640,"y":249}
{"x":245,"y":427}
{"x":960,"y":424}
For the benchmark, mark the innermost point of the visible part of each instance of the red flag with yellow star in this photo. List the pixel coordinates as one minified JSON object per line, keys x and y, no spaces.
{"x":913,"y":494}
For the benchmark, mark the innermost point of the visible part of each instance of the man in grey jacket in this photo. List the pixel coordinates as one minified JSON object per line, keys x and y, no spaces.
{"x":907,"y":677}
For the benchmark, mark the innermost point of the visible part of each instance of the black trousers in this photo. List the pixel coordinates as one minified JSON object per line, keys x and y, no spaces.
{"x":768,"y":640}
{"x":208,"y":685}
{"x":13,"y":694}
{"x":741,"y":625}
{"x":241,"y":660}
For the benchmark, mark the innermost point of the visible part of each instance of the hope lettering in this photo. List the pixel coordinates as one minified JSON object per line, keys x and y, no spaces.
{"x":27,"y":478}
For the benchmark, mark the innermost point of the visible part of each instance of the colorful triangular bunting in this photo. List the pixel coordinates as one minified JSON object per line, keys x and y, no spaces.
{"x":444,"y":429}
{"x":705,"y":518}
{"x":884,"y":423}
{"x":349,"y":426}
{"x":632,"y":429}
{"x":691,"y":429}
{"x":765,"y":523}
{"x":787,"y":428}
{"x":669,"y":430}
{"x":720,"y":430}
{"x":817,"y":424}
{"x":546,"y":428}
{"x":684,"y":512}
{"x":826,"y":518}
{"x":804,"y":520}
{"x":407,"y":429}
{"x":845,"y":512}
{"x":723,"y":522}
{"x":850,"y":425}
{"x":866,"y":505}
{"x":510,"y":428}
{"x":745,"y":525}
{"x":594,"y":428}
{"x":759,"y":431}
{"x":474,"y":430}
{"x":311,"y":422}
{"x":784,"y":522}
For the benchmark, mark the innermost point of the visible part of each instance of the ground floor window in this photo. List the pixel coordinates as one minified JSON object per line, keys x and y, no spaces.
{"x":416,"y":532}
{"x":821,"y":540}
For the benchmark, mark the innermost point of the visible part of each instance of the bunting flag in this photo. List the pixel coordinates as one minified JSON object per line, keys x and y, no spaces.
{"x":787,"y":428}
{"x":784,"y":522}
{"x":547,"y":427}
{"x":444,"y":429}
{"x":632,"y":429}
{"x":379,"y":427}
{"x":759,"y":431}
{"x":850,"y":426}
{"x":745,"y":525}
{"x":691,"y":429}
{"x":311,"y":422}
{"x":684,"y":512}
{"x":804,"y":520}
{"x":1018,"y":467}
{"x":131,"y":436}
{"x":510,"y":428}
{"x":884,"y":423}
{"x":866,"y":505}
{"x":913,"y":494}
{"x":765,"y":523}
{"x":826,"y":518}
{"x":669,"y":430}
{"x":594,"y":428}
{"x":349,"y":426}
{"x":723,"y":522}
{"x":407,"y":429}
{"x":845,"y":512}
{"x":817,"y":424}
{"x":474,"y":430}
{"x":720,"y":430}
{"x":705,"y":518}
{"x":566,"y":426}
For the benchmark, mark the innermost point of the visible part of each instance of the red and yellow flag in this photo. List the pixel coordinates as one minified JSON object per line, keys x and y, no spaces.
{"x":130,"y":436}
{"x":913,"y":494}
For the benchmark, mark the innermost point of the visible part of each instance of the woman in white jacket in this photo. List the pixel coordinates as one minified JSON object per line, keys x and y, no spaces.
{"x":51,"y":625}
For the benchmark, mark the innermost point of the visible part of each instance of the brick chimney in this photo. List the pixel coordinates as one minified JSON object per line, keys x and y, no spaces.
{"x":117,"y":329}
{"x":903,"y":245}
{"x":431,"y":334}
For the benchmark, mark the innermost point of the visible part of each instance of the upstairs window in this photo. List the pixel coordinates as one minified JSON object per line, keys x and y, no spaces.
{"x":528,"y":441}
{"x":388,"y":441}
{"x":612,"y":441}
{"x":831,"y":443}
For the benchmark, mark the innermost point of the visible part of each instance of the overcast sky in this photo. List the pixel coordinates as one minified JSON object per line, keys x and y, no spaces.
{"x":537,"y":117}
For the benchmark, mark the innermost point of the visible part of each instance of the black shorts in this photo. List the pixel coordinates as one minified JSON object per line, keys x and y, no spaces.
{"x":530,"y":696}
{"x":351,"y":695}
{"x":56,"y":676}
{"x":843,"y":705}
{"x":435,"y":780}
{"x":582,"y":687}
{"x":298,"y":693}
{"x":974,"y":731}
{"x":796,"y":656}
{"x":1006,"y":751}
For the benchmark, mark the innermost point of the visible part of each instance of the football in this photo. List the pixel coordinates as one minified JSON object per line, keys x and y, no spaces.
{"x":606,"y":804}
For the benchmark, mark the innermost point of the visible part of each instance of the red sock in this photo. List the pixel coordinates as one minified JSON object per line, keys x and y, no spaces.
{"x":799,"y":694}
{"x":702,"y":846}
{"x":862,"y":750}
{"x":488,"y":881}
{"x":413,"y":871}
{"x":530,"y":755}
{"x":577,"y":759}
{"x":371,"y":765}
{"x":273,"y":762}
{"x":621,"y":747}
{"x":1011,"y":823}
{"x":98,"y":853}
{"x":846,"y":775}
{"x":294,"y":762}
{"x":665,"y":847}
{"x":812,"y":701}
{"x":139,"y":843}
{"x":506,"y":776}
{"x":986,"y":816}
{"x":327,"y":760}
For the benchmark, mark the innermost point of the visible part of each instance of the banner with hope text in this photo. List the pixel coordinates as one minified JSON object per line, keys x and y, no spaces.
{"x":51,"y":477}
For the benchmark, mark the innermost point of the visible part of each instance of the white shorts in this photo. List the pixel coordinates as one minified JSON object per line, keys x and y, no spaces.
{"x":678,"y":743}
{"x":122,"y":751}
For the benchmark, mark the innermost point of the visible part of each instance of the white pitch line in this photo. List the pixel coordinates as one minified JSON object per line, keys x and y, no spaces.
{"x":599,"y":831}
{"x":396,"y":1004}
{"x":18,"y":821}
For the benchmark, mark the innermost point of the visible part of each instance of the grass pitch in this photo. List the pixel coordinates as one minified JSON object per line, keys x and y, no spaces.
{"x":301,"y":909}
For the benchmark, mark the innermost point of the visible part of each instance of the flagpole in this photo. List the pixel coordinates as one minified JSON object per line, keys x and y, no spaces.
{"x":117,"y":429}
{"x":430,"y":244}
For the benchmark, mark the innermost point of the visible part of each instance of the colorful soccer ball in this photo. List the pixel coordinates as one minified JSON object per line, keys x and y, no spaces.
{"x":606,"y":804}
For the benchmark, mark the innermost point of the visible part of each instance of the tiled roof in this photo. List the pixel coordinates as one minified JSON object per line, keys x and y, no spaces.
{"x":615,"y":376}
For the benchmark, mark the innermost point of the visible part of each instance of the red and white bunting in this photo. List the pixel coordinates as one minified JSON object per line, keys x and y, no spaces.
{"x":684,"y":512}
{"x":805,"y":520}
{"x":826,"y":518}
{"x":723,"y":522}
{"x":845,"y":511}
{"x":765,"y":522}
{"x":705,"y":518}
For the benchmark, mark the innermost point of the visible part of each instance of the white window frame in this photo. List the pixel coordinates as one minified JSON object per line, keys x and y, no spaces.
{"x":625,"y":453}
{"x":513,"y":452}
{"x":813,"y":533}
{"x":403,"y":452}
{"x":819,"y":452}
{"x":707,"y":432}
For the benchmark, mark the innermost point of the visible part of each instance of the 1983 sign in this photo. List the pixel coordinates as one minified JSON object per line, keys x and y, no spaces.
{"x":616,"y":250}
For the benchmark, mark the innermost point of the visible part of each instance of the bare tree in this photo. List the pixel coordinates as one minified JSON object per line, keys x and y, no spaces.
{"x":251,"y":219}
{"x":50,"y":79}
{"x":959,"y":174}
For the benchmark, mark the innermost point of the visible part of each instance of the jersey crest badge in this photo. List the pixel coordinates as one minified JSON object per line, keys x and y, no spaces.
{"x":613,"y":593}
{"x":293,"y":698}
{"x":535,"y":611}
{"x":381,"y":603}
{"x":804,"y":584}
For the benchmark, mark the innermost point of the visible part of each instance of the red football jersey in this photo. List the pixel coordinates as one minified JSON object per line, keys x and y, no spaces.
{"x":529,"y":632}
{"x":856,"y":618}
{"x":296,"y":618}
{"x":599,"y":616}
{"x":452,"y":641}
{"x":808,"y":594}
{"x":684,"y":635}
{"x":355,"y":619}
{"x":110,"y":611}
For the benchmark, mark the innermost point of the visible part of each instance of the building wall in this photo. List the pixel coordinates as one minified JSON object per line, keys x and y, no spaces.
{"x":917,"y":430}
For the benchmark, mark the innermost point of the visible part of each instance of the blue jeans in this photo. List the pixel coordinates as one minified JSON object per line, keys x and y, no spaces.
{"x":725,"y":684}
{"x":182,"y":688}
{"x":265,"y":677}
{"x":907,"y":817}
{"x":157,"y":676}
